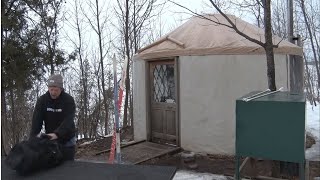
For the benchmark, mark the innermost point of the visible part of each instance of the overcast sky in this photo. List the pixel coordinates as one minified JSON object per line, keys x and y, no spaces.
{"x":172,"y":16}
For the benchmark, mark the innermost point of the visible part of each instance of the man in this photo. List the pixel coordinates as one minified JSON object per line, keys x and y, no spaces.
{"x":56,"y":109}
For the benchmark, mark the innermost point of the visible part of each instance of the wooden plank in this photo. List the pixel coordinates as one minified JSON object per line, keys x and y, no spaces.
{"x":153,"y":148}
{"x":307,"y":171}
{"x":269,"y":178}
{"x":243,"y":163}
{"x":158,"y":155}
{"x":144,"y":151}
{"x":156,"y":145}
{"x":122,"y":146}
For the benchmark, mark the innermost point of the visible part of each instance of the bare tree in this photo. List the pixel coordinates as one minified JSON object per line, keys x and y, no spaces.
{"x":279,"y":18}
{"x":313,"y":39}
{"x":128,"y":55}
{"x":309,"y":83}
{"x":100,"y":28}
{"x":310,"y":12}
{"x":253,"y":7}
{"x":267,"y":45}
{"x":133,"y":20}
{"x":76,"y":23}
{"x":3,"y":124}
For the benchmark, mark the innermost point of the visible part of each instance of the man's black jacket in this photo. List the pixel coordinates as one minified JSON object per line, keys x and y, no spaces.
{"x":57,"y":114}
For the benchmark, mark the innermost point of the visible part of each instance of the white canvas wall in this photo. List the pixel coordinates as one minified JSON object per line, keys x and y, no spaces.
{"x":209,"y":86}
{"x":139,"y":100}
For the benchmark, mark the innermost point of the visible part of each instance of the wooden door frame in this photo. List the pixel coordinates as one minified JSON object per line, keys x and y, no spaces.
{"x":177,"y":94}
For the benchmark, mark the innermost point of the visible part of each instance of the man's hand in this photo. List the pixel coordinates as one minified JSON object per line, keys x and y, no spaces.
{"x":53,"y":136}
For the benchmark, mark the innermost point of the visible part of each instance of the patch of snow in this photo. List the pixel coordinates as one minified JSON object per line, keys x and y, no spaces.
{"x":313,"y":120}
{"x":190,"y":175}
{"x":89,"y":142}
{"x":313,"y":126}
{"x":86,"y":143}
{"x":108,"y":135}
{"x":124,"y":142}
{"x":80,"y":136}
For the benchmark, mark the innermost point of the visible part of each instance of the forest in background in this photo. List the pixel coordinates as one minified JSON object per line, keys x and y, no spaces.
{"x":78,"y":39}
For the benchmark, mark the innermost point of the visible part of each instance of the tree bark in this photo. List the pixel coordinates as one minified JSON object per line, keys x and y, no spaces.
{"x":104,"y":93}
{"x":311,"y":40}
{"x":3,"y":122}
{"x":131,"y":110}
{"x":309,"y":86}
{"x":13,"y":118}
{"x":127,"y":80}
{"x":269,"y":47}
{"x":83,"y":78}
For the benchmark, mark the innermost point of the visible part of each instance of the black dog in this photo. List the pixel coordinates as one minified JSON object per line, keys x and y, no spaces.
{"x":34,"y":154}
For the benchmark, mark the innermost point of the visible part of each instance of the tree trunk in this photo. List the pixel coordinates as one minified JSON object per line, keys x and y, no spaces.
{"x":131,"y":110}
{"x":308,"y":84}
{"x":13,"y":118}
{"x":104,"y":95}
{"x":127,"y":80}
{"x":318,"y":50}
{"x":311,"y":40}
{"x":83,"y":78}
{"x":3,"y":150}
{"x":50,"y":57}
{"x":269,"y":47}
{"x":270,"y":66}
{"x":3,"y":122}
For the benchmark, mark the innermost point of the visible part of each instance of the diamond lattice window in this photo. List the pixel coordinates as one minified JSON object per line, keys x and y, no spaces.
{"x":163,"y":81}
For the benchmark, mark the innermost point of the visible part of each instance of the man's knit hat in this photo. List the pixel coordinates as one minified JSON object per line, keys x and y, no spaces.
{"x":55,"y":80}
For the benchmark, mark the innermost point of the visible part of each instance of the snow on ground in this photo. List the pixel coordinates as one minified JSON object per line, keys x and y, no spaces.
{"x":89,"y":142}
{"x":186,"y":175}
{"x":313,"y":126}
{"x":313,"y":153}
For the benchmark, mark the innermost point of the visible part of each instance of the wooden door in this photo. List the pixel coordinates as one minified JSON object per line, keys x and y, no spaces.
{"x":163,"y":102}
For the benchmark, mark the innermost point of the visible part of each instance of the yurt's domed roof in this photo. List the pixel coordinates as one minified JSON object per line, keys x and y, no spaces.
{"x":200,"y":36}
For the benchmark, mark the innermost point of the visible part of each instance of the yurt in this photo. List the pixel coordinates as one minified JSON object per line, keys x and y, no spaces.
{"x":185,"y":84}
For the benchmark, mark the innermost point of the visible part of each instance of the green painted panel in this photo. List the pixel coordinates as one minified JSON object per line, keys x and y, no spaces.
{"x":271,"y":127}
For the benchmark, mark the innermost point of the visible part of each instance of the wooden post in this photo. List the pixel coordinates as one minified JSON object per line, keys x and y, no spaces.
{"x":295,"y":62}
{"x":297,"y":72}
{"x":307,"y":171}
{"x":237,"y":174}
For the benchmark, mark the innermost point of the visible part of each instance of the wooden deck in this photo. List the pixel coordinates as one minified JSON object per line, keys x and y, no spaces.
{"x":144,"y":151}
{"x":135,"y":153}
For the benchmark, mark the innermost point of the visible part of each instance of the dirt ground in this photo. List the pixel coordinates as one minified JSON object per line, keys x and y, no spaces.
{"x":224,"y":165}
{"x":216,"y":164}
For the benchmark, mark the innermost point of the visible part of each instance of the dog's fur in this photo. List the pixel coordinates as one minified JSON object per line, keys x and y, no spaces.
{"x":34,"y":154}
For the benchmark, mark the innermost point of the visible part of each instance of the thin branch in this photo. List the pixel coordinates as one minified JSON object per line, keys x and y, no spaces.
{"x":231,"y":26}
{"x":235,"y":27}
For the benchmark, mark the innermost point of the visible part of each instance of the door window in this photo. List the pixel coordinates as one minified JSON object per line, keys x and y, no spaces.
{"x":163,"y":83}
